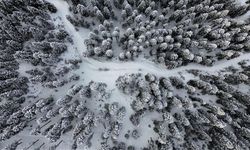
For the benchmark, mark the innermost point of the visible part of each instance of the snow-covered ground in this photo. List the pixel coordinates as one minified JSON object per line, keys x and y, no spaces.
{"x":107,"y":72}
{"x":241,"y":2}
{"x":91,"y":67}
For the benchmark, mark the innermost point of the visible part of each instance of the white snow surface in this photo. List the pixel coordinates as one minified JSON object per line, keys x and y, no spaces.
{"x":91,"y":67}
{"x":241,"y":2}
{"x":90,"y":71}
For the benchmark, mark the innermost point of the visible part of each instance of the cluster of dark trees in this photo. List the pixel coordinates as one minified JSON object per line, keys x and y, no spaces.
{"x":208,"y":112}
{"x":54,"y":118}
{"x":173,"y":33}
{"x":205,"y":112}
{"x":27,"y":34}
{"x":53,"y":78}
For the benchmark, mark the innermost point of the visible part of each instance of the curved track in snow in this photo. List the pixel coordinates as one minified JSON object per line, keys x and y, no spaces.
{"x":91,"y":67}
{"x":108,"y":71}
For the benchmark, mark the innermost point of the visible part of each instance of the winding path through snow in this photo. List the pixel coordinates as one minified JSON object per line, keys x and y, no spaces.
{"x":91,"y":67}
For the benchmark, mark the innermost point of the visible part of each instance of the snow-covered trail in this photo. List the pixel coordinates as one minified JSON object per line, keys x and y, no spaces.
{"x":148,"y":66}
{"x":114,"y":69}
{"x":91,"y":69}
{"x":63,"y":12}
{"x":134,"y":66}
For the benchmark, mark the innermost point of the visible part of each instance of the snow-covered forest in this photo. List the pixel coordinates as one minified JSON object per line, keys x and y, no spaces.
{"x":124,"y":74}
